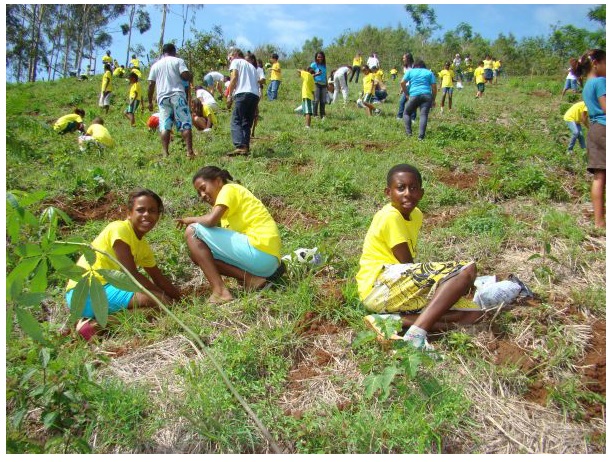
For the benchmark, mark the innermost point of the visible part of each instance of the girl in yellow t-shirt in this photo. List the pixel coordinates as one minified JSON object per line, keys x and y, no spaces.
{"x":70,"y":122}
{"x":124,"y":241}
{"x":237,"y":238}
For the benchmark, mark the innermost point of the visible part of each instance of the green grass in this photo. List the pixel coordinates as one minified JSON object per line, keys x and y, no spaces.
{"x":498,"y":187}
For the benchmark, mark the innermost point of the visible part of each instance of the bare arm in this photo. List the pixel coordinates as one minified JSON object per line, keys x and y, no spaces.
{"x":402,"y":254}
{"x":602,"y":103}
{"x":209,"y":220}
{"x":234,"y":77}
{"x":163,"y":283}
{"x":124,"y":255}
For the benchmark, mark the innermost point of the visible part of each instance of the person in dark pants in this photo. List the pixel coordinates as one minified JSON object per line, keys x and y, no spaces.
{"x":243,"y":92}
{"x":320,"y":77}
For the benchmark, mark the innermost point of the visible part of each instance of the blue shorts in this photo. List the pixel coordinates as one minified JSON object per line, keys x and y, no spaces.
{"x":118,"y":300}
{"x":448,"y":90}
{"x":235,"y":249}
{"x":571,"y":84}
{"x":174,"y":109}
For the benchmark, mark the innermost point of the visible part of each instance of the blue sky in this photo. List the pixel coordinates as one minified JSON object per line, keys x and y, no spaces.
{"x":289,"y":24}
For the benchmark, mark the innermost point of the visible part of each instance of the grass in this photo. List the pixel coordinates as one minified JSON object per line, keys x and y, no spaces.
{"x":499,"y":187}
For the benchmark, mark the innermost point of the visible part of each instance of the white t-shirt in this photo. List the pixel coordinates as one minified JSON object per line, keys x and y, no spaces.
{"x":341,"y":72}
{"x":206,"y":98}
{"x":373,"y":62}
{"x":166,"y":72}
{"x":571,"y":75}
{"x":247,"y":78}
{"x":216,"y":76}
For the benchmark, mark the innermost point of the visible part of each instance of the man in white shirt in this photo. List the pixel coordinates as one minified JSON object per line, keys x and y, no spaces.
{"x":167,"y":76}
{"x":373,"y":61}
{"x":244,"y":92}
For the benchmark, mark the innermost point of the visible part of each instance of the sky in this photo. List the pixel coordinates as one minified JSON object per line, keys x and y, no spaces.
{"x":289,"y":25}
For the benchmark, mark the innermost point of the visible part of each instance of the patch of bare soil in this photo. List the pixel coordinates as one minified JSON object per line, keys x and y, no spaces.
{"x":322,"y":370}
{"x":366,"y":146}
{"x":458,"y":179}
{"x":290,"y":217}
{"x":541,"y":93}
{"x":107,"y":207}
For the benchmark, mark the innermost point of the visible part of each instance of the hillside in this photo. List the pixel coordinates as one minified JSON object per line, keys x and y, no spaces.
{"x":499,"y":189}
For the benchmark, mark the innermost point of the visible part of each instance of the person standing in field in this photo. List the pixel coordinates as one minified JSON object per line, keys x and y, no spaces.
{"x":593,"y":65}
{"x":166,"y":76}
{"x":488,"y":72}
{"x":478,"y":75}
{"x":408,"y":63}
{"x":420,"y":86}
{"x":243,"y":93}
{"x":447,"y":85}
{"x":106,"y":89}
{"x":320,"y":77}
{"x":496,"y":67}
{"x":368,"y":91}
{"x":571,"y":81}
{"x":135,"y":99}
{"x":307,"y":91}
{"x":575,"y":117}
{"x":356,"y":65}
{"x":275,"y":81}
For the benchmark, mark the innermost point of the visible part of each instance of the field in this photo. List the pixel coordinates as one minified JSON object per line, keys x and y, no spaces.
{"x":499,"y":188}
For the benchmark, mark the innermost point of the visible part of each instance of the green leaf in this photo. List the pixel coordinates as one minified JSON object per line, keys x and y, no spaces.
{"x":90,"y":255}
{"x":19,"y":275}
{"x":72,"y":272}
{"x":45,"y":356}
{"x":412,"y":362}
{"x":534,"y":256}
{"x":363,"y":338}
{"x":30,"y":298}
{"x":49,"y":419}
{"x":79,"y":297}
{"x":64,"y":248}
{"x":38,"y":282}
{"x":29,"y":373}
{"x":371,"y":383}
{"x":28,"y":250}
{"x":60,"y":261}
{"x":386,"y":379}
{"x":18,"y":416}
{"x":100,"y":304}
{"x":30,"y":325}
{"x":119,"y":279}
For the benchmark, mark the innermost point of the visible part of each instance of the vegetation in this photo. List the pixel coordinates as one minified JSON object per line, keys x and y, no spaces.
{"x":500,"y":188}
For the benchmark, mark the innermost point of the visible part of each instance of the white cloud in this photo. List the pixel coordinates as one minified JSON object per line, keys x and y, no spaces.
{"x":244,"y":43}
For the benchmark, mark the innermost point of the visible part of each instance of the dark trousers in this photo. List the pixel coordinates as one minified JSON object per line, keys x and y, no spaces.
{"x":243,"y":114}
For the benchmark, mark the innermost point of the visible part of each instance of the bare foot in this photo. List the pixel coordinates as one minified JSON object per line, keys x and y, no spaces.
{"x":220,"y":299}
{"x":254,"y":282}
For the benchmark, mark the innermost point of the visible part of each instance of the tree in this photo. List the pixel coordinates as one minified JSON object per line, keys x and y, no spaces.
{"x":424,"y":19}
{"x":162,"y":27}
{"x":203,"y":53}
{"x":185,"y":14}
{"x":597,"y":14}
{"x":143,"y":24}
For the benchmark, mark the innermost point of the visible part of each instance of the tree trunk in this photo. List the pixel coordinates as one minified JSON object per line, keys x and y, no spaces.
{"x":164,"y":7}
{"x":37,"y":22}
{"x":130,"y":34}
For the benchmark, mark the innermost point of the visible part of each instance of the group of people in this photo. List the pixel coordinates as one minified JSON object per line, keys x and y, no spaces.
{"x":238,"y":238}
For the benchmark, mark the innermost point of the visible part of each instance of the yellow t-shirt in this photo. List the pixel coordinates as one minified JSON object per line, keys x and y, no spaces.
{"x":118,"y":72}
{"x":388,"y":229}
{"x":309,"y":85}
{"x":479,"y":75}
{"x":135,"y":63}
{"x":276,"y":71}
{"x":136,"y":92}
{"x":367,"y":84}
{"x":106,"y":82}
{"x":357,"y":61}
{"x":100,"y":134}
{"x":62,"y":122}
{"x":114,"y":231}
{"x":247,"y":215}
{"x":137,"y":72}
{"x":379,"y":75}
{"x":447,"y":78}
{"x":393,"y":72}
{"x":496,"y":65}
{"x":209,"y":114}
{"x":574,"y":113}
{"x":106,"y":59}
{"x":488,"y":64}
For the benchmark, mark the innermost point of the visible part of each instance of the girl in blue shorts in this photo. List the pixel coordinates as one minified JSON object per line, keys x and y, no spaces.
{"x":237,"y":238}
{"x":124,"y":240}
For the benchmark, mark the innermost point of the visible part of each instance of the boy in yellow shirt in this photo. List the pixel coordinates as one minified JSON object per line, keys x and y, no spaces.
{"x":479,"y":79}
{"x":307,"y":91}
{"x":275,"y":77}
{"x":97,"y":135}
{"x":135,"y":98}
{"x":576,"y":116}
{"x":368,"y":90}
{"x":447,"y":85}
